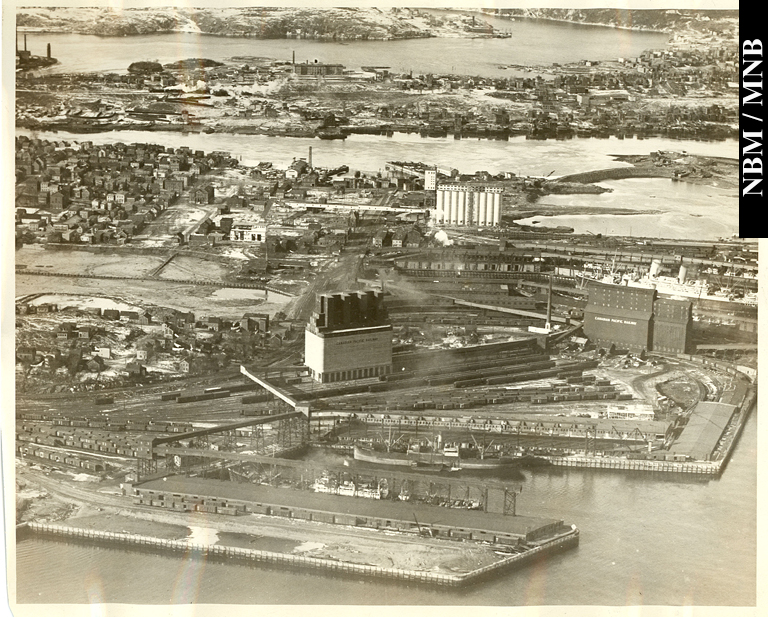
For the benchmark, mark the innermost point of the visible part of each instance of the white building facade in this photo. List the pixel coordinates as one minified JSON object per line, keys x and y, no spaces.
{"x":467,"y":204}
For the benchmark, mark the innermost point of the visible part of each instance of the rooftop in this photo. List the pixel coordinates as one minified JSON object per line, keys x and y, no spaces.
{"x":460,"y":518}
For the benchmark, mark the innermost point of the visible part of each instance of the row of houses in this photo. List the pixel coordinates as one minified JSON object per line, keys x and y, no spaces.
{"x":104,"y":193}
{"x":401,"y":237}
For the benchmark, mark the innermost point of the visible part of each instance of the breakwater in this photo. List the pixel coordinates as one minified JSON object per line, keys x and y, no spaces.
{"x":269,"y":558}
{"x":616,"y":173}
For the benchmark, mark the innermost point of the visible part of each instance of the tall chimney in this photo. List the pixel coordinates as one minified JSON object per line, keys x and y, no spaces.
{"x":548,"y":325}
{"x":25,"y":42}
{"x":49,"y":51}
{"x":309,"y":160}
{"x":294,"y":57}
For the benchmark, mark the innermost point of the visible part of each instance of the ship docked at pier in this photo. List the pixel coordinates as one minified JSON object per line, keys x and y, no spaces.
{"x":448,"y":458}
{"x":681,"y":286}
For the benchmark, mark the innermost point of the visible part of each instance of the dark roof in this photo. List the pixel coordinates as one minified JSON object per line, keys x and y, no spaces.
{"x":465,"y":519}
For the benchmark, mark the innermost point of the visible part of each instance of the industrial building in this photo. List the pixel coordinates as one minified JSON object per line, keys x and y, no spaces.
{"x":349,"y":336}
{"x":632,"y":318}
{"x":467,"y":204}
{"x":214,"y":496}
{"x":672,"y":325}
{"x":469,"y":261}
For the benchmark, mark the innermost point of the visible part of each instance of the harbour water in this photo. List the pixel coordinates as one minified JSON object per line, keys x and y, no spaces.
{"x":532,"y":42}
{"x":646,"y":539}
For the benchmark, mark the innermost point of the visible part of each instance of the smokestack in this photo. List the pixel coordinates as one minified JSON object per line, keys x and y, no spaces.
{"x":294,"y":57}
{"x":309,"y":160}
{"x":49,"y":51}
{"x":25,"y":42}
{"x":548,"y":325}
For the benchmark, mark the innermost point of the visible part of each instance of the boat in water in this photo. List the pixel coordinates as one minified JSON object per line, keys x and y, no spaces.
{"x":448,"y":459}
{"x":331,"y":134}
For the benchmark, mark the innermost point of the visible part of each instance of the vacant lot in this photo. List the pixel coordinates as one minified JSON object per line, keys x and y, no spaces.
{"x":146,"y":294}
{"x":117,"y":263}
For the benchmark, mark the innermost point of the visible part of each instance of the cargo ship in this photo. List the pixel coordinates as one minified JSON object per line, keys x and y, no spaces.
{"x":449,"y":459}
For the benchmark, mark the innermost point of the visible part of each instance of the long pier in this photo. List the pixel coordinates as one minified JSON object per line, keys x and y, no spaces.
{"x":711,"y":468}
{"x":333,"y":567}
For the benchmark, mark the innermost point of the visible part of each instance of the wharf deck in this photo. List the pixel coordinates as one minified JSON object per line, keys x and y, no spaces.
{"x":523,"y":526}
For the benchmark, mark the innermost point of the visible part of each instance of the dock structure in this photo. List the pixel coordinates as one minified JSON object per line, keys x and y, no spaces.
{"x":215,"y":496}
{"x":706,"y":425}
{"x":489,"y":495}
{"x":515,"y":556}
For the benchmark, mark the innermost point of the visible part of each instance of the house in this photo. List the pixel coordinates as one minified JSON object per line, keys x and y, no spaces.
{"x":398,"y":237}
{"x":26,"y":355}
{"x":412,"y":239}
{"x":65,"y":331}
{"x":383,"y":237}
{"x":145,"y":319}
{"x":214,"y":324}
{"x":58,"y":201}
{"x":248,"y":233}
{"x":255,"y":322}
{"x":204,"y":194}
{"x":111,"y":314}
{"x":145,"y":350}
{"x":136,"y":368}
{"x":52,"y":360}
{"x":85,"y":332}
{"x":95,"y":364}
{"x":104,"y":352}
{"x":186,"y":320}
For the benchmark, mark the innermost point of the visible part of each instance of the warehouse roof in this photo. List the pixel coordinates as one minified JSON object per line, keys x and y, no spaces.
{"x":705,"y":427}
{"x":386,"y":509}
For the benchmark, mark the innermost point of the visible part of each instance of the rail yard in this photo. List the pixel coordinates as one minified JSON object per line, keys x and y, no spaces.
{"x":391,"y":392}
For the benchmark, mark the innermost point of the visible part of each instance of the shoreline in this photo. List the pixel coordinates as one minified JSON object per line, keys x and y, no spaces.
{"x":697,"y":135}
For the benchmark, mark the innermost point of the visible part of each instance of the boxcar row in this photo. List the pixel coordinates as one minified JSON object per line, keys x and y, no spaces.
{"x":61,"y":458}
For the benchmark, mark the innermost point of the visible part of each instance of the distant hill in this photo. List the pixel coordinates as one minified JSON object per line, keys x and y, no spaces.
{"x":665,"y":20}
{"x":265,"y":23}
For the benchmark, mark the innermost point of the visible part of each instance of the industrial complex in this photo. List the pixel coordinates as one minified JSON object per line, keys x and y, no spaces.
{"x":368,"y":365}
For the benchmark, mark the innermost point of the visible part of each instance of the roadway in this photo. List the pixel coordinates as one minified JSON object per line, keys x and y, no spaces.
{"x":338,"y":277}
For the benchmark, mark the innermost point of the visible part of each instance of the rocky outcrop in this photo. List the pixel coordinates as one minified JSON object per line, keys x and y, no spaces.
{"x":312,"y":23}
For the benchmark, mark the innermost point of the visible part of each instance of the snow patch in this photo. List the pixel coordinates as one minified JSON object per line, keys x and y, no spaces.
{"x":202,"y":535}
{"x":308,"y":546}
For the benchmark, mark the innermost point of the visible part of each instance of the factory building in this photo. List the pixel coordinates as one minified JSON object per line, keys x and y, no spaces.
{"x":632,"y":318}
{"x":467,"y":204}
{"x":469,"y":261}
{"x":620,"y":315}
{"x":349,"y":336}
